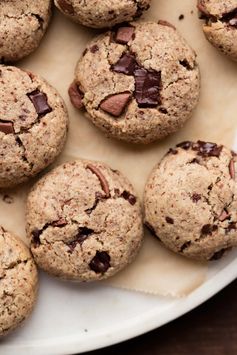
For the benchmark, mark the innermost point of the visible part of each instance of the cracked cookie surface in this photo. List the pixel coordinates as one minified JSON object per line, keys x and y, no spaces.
{"x":18,"y":282}
{"x":220,"y":27}
{"x":84,"y":221}
{"x":105,"y":13}
{"x":191,"y":200}
{"x":22,"y":26}
{"x":33,"y":125}
{"x":138,"y":83}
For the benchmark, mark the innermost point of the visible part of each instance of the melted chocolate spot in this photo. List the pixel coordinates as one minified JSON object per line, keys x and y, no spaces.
{"x":218,"y":255}
{"x":101,"y":262}
{"x":40,"y":102}
{"x":82,"y":235}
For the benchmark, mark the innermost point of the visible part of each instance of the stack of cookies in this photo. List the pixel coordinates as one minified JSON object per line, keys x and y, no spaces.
{"x":138,"y":82}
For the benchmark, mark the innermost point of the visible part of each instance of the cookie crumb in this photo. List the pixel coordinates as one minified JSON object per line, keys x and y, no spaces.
{"x":181,"y":17}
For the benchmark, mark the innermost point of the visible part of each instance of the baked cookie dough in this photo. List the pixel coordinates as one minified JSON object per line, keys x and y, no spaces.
{"x":191,"y":200}
{"x":18,"y":282}
{"x":138,"y":83}
{"x":84,"y":221}
{"x":33,"y":125}
{"x":103,"y":13}
{"x":220,"y":27}
{"x":22,"y":26}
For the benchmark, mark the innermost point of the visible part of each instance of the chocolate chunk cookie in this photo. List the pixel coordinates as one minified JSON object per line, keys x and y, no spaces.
{"x":84,"y":221}
{"x":191,"y":200}
{"x":103,"y":13}
{"x":33,"y":125}
{"x":139,"y":82}
{"x":220,"y":27}
{"x":18,"y":282}
{"x":22,"y":26}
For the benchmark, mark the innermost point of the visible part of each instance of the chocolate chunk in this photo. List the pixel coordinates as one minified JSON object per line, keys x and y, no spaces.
{"x":126,"y":64}
{"x":207,"y":149}
{"x":66,"y":6}
{"x":82,"y":235}
{"x":185,"y":64}
{"x":147,"y":87}
{"x":166,"y":23}
{"x":6,"y":127}
{"x":76,"y":95}
{"x":103,"y":182}
{"x":94,"y":48}
{"x":224,"y":215}
{"x":129,"y":197}
{"x":169,"y":220}
{"x":208,"y":229}
{"x":184,"y":145}
{"x":196,"y":197}
{"x":124,"y":34}
{"x":116,"y":104}
{"x":101,"y":262}
{"x":232,"y":169}
{"x":181,"y":17}
{"x":36,"y":237}
{"x":230,"y":18}
{"x":40,"y":102}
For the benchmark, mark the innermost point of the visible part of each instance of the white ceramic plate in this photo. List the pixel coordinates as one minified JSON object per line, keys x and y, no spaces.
{"x":77,"y":318}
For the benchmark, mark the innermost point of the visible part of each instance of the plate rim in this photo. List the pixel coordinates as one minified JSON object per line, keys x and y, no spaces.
{"x":134,"y":326}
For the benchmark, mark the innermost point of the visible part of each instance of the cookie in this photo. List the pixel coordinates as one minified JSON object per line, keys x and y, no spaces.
{"x":191,"y":200}
{"x":105,"y":13}
{"x":84,"y":221}
{"x":22,"y":26}
{"x":139,"y":83}
{"x":33,"y":125}
{"x":220,"y":27}
{"x":18,"y":282}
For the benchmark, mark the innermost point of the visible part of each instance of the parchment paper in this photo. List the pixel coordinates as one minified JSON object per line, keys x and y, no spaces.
{"x":155,"y":270}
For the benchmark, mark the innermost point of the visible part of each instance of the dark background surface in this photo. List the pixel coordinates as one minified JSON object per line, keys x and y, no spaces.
{"x":210,"y":329}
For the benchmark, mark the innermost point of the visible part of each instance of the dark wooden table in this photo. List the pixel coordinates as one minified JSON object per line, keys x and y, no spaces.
{"x":210,"y":329}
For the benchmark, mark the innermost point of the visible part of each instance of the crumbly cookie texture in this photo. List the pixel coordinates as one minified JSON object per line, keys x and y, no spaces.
{"x":220,"y":27}
{"x":84,"y":221}
{"x":22,"y":26}
{"x":139,"y":82}
{"x":103,"y":13}
{"x":33,"y":125}
{"x":18,"y":282}
{"x":191,"y":200}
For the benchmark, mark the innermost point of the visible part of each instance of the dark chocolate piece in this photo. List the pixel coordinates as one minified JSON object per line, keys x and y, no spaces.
{"x":124,"y":34}
{"x":40,"y":102}
{"x":101,"y":262}
{"x":125,"y":65}
{"x":76,"y":95}
{"x":147,"y":87}
{"x":6,"y":127}
{"x":129,"y":197}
